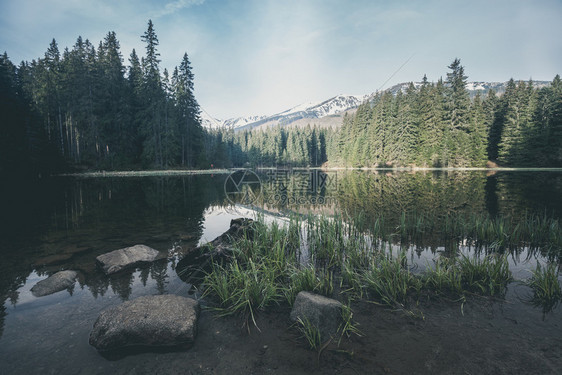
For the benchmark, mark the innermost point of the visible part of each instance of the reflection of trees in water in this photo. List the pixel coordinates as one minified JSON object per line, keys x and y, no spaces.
{"x":298,"y":190}
{"x":491,"y":195}
{"x":144,"y":273}
{"x":121,"y":284}
{"x":100,"y":215}
{"x":86,"y":217}
{"x":530,"y":192}
{"x":97,"y":285}
{"x":158,"y":272}
{"x":110,"y":200}
{"x":432,"y":194}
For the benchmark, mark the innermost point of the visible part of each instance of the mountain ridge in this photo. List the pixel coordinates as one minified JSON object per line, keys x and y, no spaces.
{"x":333,"y":107}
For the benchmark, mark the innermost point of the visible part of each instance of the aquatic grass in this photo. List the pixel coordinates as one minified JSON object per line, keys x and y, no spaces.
{"x":331,"y":256}
{"x":444,"y":278}
{"x":547,"y":291}
{"x":310,"y":279}
{"x":454,"y":277}
{"x":303,"y":279}
{"x":348,"y":327}
{"x":310,"y":332}
{"x":351,"y":281}
{"x":389,"y":282}
{"x":481,"y":230}
{"x":487,"y":275}
{"x":242,"y":290}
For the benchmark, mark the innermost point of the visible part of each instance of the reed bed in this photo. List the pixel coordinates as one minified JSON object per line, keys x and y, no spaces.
{"x":342,"y":258}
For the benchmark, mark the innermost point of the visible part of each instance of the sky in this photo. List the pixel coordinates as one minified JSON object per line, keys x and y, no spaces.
{"x":260,"y":57}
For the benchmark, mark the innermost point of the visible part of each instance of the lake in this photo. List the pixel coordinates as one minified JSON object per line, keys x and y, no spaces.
{"x":66,"y":222}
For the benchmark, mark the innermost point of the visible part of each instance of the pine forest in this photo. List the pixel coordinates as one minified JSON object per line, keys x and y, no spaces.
{"x":84,"y":109}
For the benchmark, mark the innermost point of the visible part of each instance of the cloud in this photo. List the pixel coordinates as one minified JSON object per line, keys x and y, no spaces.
{"x":264,"y":56}
{"x":174,"y":6}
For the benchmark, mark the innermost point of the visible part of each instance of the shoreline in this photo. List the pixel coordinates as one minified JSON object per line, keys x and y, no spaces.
{"x":188,"y":172}
{"x":165,"y":172}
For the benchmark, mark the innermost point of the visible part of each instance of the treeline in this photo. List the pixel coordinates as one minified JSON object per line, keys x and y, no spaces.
{"x":83,"y":108}
{"x":432,"y":125}
{"x":96,"y":113}
{"x":292,"y":146}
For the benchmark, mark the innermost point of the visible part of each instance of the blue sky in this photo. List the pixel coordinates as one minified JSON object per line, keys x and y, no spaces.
{"x":255,"y":57}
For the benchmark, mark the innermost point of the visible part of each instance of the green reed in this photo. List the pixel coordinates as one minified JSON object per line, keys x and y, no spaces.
{"x":310,"y":333}
{"x":547,"y":291}
{"x":333,"y":257}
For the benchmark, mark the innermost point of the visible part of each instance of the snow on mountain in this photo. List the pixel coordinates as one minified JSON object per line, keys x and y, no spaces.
{"x":242,"y":121}
{"x":335,"y":106}
{"x":332,"y":106}
{"x":210,"y":122}
{"x":314,"y":110}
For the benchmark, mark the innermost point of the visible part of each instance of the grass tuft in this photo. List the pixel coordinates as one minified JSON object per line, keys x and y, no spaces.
{"x":547,"y":291}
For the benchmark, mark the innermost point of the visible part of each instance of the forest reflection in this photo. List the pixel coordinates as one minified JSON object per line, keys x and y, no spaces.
{"x":66,"y":224}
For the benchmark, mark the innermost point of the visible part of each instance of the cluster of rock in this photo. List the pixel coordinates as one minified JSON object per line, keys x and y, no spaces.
{"x":148,"y":321}
{"x":171,"y":320}
{"x":110,"y":263}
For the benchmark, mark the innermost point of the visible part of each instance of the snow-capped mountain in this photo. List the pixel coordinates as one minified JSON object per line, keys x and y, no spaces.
{"x":333,"y":109}
{"x":210,"y":122}
{"x":315,"y":110}
{"x":332,"y":106}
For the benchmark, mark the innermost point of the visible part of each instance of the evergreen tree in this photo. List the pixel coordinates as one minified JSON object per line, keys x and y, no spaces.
{"x":457,"y":107}
{"x":154,"y":101}
{"x":511,"y":136}
{"x":188,"y":113}
{"x":479,"y":131}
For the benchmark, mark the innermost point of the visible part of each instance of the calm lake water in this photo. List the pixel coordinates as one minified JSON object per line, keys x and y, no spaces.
{"x":67,"y":222}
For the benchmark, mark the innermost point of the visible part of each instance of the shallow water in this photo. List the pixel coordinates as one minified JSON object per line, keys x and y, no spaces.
{"x":68,"y":222}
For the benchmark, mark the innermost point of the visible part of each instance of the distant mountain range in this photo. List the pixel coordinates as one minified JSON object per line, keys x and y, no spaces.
{"x":329,"y":112}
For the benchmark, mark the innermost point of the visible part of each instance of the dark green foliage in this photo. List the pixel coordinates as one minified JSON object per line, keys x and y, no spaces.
{"x":25,"y":150}
{"x":83,"y":105}
{"x":275,"y":146}
{"x":86,"y":107}
{"x":433,"y":125}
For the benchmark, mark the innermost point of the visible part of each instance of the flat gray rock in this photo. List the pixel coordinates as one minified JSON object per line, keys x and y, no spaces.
{"x":323,"y":312}
{"x":118,"y":260}
{"x":149,"y":321}
{"x":55,"y":283}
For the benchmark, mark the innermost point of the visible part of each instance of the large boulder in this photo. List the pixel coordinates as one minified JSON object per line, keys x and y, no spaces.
{"x":149,"y":321}
{"x":118,"y":260}
{"x":322,"y":312}
{"x":55,"y":283}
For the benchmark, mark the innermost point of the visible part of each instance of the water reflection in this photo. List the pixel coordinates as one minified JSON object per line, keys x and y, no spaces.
{"x":88,"y":217}
{"x":66,"y":223}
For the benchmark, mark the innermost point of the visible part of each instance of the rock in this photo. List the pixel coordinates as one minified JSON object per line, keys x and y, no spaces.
{"x":149,"y":321}
{"x":118,"y":260}
{"x":323,"y":312}
{"x":55,"y":283}
{"x":222,"y":244}
{"x":198,"y":260}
